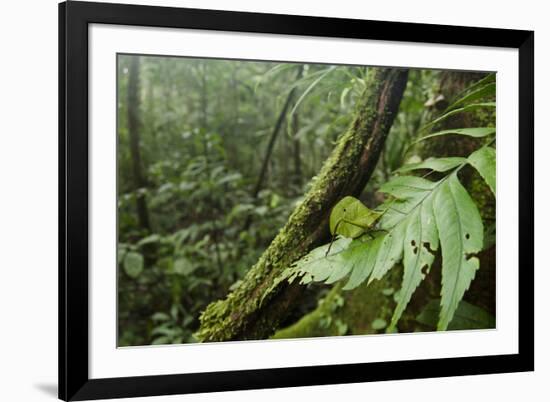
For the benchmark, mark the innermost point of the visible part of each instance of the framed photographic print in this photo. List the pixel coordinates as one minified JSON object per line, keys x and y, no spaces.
{"x":257,"y":200}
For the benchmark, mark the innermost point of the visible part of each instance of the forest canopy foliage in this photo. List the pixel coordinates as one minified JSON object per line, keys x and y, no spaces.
{"x":215,"y":155}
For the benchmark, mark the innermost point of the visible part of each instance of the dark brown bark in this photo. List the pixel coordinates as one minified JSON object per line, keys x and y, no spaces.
{"x":256,"y":308}
{"x":134,"y":128}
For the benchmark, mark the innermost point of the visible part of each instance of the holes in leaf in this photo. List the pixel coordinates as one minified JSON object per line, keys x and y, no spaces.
{"x":413,"y":243}
{"x":415,"y":250}
{"x":467,"y":236}
{"x":424,"y":269}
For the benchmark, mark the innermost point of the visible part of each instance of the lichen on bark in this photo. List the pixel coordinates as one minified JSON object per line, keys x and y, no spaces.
{"x":256,"y":307}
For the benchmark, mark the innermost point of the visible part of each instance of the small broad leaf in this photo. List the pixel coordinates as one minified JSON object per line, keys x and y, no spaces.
{"x":475,"y":132}
{"x":229,"y":178}
{"x":436,"y":164}
{"x":461,"y":235}
{"x":378,"y":324}
{"x":153,"y":238}
{"x":182,"y":266}
{"x":160,"y":317}
{"x":133,"y":264}
{"x":350,"y":218}
{"x":484,"y":160}
{"x":121,"y":253}
{"x":467,"y":316}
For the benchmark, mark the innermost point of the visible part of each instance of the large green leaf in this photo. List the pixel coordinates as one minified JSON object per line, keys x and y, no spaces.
{"x":184,"y":267}
{"x":420,"y":216}
{"x":436,"y":164}
{"x":484,"y":160}
{"x":488,"y":79}
{"x":153,"y":238}
{"x":475,"y":132}
{"x":476,"y":85}
{"x":461,"y":235}
{"x":272,"y":73}
{"x":350,"y":218}
{"x":420,"y":242}
{"x":408,"y":192}
{"x":467,"y":108}
{"x":402,"y":187}
{"x":133,"y":264}
{"x":309,"y":89}
{"x":474,"y":95}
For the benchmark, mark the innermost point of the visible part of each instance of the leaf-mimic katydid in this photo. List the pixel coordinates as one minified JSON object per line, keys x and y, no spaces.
{"x":351,"y":218}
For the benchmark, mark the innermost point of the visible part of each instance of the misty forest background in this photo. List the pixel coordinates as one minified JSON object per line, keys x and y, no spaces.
{"x":213,"y":158}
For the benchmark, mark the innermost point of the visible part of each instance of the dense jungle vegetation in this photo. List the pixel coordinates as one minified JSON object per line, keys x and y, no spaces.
{"x":276,"y":200}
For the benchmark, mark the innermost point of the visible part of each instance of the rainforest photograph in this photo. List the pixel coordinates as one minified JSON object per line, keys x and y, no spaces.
{"x":262,"y":200}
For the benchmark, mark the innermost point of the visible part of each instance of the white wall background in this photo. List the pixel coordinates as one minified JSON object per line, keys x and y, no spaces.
{"x":28,"y":198}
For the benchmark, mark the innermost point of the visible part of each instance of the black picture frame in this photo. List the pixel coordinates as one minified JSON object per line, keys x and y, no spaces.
{"x":74,"y":18}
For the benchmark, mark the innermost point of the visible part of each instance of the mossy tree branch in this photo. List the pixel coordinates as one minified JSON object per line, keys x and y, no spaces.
{"x":256,"y":308}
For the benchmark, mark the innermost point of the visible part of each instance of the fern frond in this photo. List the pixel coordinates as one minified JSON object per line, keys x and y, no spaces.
{"x":423,"y":215}
{"x":419,"y":217}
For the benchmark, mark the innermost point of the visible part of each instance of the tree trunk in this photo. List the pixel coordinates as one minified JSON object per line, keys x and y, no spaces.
{"x":270,"y":146}
{"x":256,"y":308}
{"x":273,"y":138}
{"x":354,"y":312}
{"x":297,"y":157}
{"x":134,"y":134}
